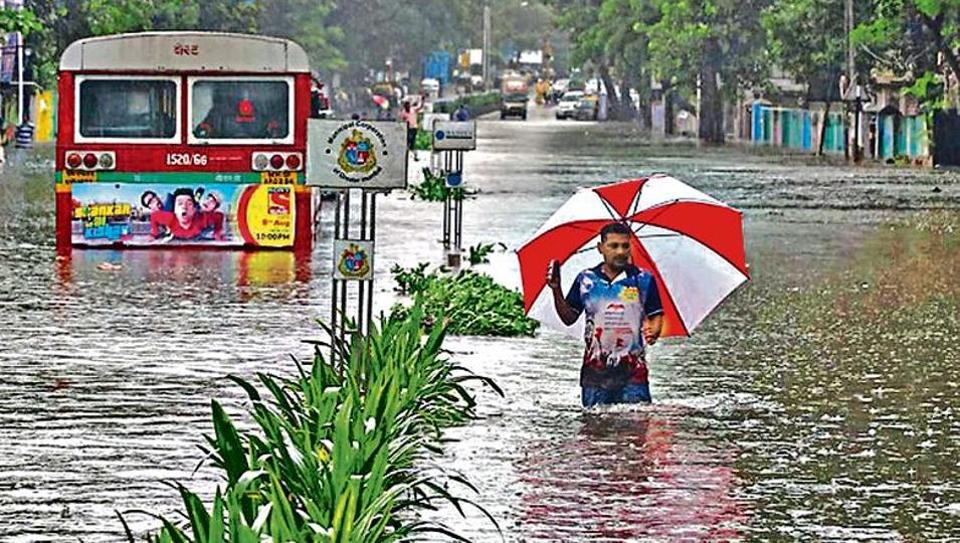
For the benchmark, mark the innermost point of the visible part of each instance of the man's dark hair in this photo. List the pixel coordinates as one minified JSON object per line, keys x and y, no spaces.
{"x":143,"y":197}
{"x":183,"y":191}
{"x":614,"y":228}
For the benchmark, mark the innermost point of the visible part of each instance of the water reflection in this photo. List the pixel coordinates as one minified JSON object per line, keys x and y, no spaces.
{"x":624,"y":475}
{"x":256,"y":274}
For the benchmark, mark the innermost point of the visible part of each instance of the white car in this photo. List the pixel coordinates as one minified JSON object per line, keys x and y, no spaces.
{"x":568,"y":104}
{"x":430,"y":87}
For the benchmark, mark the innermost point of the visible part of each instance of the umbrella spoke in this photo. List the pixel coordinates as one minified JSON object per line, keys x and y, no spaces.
{"x":673,"y":321}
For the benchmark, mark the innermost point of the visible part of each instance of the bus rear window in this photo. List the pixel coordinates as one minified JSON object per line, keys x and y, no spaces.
{"x":240,"y":110}
{"x":121,"y":108}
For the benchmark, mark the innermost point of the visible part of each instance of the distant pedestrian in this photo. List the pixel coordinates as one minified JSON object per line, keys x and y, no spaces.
{"x":409,"y":115}
{"x":462,"y":113}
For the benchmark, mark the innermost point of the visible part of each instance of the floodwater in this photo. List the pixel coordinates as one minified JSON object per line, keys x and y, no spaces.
{"x":821,"y":401}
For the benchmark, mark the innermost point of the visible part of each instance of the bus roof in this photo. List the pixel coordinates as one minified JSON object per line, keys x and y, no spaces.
{"x":184,"y":52}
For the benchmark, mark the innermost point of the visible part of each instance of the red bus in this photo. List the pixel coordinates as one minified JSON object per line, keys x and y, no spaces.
{"x":183,"y":139}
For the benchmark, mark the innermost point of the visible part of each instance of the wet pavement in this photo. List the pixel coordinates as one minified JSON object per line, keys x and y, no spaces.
{"x":820,"y":401}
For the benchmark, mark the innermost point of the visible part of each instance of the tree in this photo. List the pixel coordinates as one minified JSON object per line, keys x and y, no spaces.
{"x":308,"y":23}
{"x":715,"y":45}
{"x":589,"y":39}
{"x":915,"y":40}
{"x":808,"y":40}
{"x":18,"y":20}
{"x":64,"y":21}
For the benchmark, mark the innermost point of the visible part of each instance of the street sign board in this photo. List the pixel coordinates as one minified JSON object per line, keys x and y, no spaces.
{"x":454,"y":135}
{"x":430,"y":118}
{"x":352,"y":260}
{"x":454,"y":180}
{"x":356,"y":154}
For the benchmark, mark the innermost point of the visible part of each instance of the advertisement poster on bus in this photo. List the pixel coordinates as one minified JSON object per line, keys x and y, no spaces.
{"x":209,"y":214}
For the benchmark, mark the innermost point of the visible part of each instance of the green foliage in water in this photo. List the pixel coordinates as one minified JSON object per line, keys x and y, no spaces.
{"x":434,"y":189}
{"x":477,"y":103}
{"x":471,"y":303}
{"x":338,"y":452}
{"x":479,"y":253}
{"x":424,"y":141}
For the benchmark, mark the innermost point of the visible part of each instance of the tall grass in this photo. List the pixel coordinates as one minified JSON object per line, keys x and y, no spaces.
{"x":338,"y":453}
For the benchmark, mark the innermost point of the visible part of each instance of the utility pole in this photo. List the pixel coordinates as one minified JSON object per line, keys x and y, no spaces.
{"x":486,"y":47}
{"x":848,"y":19}
{"x":852,"y":80}
{"x":19,"y":78}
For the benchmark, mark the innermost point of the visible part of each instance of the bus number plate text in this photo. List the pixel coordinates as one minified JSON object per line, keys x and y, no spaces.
{"x":186,"y":159}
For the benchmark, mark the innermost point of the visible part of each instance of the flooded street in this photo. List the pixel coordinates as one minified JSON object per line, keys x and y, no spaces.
{"x":821,"y":401}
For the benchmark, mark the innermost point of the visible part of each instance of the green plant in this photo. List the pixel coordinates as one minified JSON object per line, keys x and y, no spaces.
{"x":470,"y":302}
{"x":472,"y":101}
{"x":479,"y":253}
{"x":409,"y":280}
{"x":434,"y":188}
{"x":424,"y":141}
{"x":337,"y":452}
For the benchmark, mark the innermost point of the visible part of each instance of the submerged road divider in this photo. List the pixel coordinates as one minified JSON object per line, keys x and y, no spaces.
{"x":338,"y":451}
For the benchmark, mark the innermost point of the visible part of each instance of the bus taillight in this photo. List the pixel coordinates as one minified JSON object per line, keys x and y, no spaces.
{"x":291,"y":162}
{"x":91,"y":160}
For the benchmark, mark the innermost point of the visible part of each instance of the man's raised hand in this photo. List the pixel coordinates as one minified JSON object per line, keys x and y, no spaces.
{"x":553,"y":275}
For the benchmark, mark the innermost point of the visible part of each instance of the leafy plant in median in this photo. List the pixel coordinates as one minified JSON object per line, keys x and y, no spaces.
{"x":472,"y":303}
{"x":479,"y":253}
{"x":434,"y":188}
{"x":337,"y":451}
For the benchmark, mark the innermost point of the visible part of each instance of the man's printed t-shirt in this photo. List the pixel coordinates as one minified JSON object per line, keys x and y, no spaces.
{"x":614,"y":312}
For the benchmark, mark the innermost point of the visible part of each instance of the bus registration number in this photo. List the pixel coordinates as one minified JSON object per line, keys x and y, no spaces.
{"x":278,"y":178}
{"x":186,"y":159}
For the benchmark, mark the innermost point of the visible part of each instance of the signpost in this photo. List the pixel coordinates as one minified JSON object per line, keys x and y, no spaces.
{"x":450,"y":140}
{"x":358,"y":160}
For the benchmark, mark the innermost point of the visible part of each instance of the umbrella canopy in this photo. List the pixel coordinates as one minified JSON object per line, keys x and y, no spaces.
{"x":691,"y":243}
{"x":381,"y":101}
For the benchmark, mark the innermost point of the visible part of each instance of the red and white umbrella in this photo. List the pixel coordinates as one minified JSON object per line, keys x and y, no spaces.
{"x":382,"y":101}
{"x":691,"y":242}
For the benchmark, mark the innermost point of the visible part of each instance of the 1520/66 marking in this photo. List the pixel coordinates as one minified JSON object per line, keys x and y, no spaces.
{"x":186,"y":159}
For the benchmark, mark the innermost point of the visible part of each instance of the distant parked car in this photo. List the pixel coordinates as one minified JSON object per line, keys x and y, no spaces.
{"x":586,"y":109}
{"x":568,"y":104}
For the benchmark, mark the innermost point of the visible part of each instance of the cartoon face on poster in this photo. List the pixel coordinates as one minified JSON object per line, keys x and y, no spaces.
{"x":211,"y":214}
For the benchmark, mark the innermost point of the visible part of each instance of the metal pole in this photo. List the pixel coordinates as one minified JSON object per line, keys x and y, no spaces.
{"x":317,"y":202}
{"x":334,"y":289}
{"x":486,"y":47}
{"x":19,"y":78}
{"x":346,"y":215}
{"x":343,"y":288}
{"x":373,"y":237}
{"x":856,"y":130}
{"x":361,"y":296}
{"x":447,"y":203}
{"x":458,"y":236}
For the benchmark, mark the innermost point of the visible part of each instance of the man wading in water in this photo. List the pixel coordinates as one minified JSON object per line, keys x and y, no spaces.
{"x":623,"y":315}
